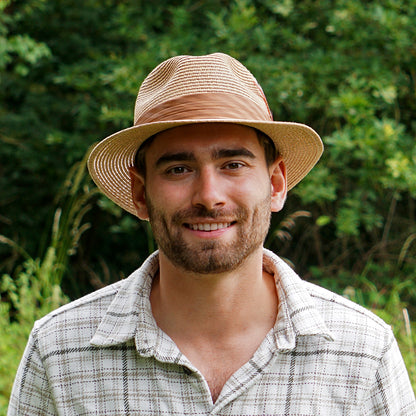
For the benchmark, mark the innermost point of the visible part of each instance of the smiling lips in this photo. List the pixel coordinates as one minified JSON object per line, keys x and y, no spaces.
{"x":208,"y":226}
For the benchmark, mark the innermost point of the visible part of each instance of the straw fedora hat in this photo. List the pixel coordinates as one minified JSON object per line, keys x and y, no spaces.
{"x":198,"y":89}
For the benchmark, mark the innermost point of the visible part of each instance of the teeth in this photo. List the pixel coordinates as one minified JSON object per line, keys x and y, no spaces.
{"x":209,"y":227}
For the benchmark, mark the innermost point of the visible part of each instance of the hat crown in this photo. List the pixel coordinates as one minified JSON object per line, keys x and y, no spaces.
{"x":185,"y":75}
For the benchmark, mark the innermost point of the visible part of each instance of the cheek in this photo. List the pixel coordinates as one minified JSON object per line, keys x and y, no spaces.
{"x":166,"y":196}
{"x":258,"y":188}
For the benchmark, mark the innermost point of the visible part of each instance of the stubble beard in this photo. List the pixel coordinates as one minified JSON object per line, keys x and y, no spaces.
{"x":213,"y":256}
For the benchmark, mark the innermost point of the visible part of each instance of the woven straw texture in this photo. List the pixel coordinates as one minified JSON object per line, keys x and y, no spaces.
{"x":179,"y":77}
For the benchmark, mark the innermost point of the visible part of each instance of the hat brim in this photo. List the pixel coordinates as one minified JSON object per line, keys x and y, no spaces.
{"x":299,"y":146}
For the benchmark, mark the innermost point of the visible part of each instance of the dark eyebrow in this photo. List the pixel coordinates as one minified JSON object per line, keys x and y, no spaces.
{"x":226,"y":153}
{"x":175,"y":157}
{"x":216,"y":154}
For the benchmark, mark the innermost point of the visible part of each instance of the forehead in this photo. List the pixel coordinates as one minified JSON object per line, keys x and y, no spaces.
{"x":203,"y":138}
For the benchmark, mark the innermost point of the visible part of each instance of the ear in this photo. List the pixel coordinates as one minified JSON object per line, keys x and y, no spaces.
{"x":278,"y":184}
{"x":138,"y":193}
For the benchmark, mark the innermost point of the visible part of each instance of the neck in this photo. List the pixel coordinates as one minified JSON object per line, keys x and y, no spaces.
{"x":214,"y":306}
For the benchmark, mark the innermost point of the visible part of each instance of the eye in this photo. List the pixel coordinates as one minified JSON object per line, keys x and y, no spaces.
{"x":234,"y":165}
{"x":177,"y":170}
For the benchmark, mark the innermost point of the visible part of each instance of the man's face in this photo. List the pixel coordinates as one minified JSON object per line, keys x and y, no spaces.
{"x":207,"y":195}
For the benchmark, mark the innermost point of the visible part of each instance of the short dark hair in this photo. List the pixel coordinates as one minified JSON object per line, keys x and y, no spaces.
{"x":270,"y":151}
{"x":139,"y":158}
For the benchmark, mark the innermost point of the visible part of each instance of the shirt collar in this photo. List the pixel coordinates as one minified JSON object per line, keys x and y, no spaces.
{"x":130,"y":308}
{"x":297,"y":315}
{"x":130,"y":314}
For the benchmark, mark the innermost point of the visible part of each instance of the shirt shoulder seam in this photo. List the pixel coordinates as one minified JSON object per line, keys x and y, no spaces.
{"x":318,"y":292}
{"x":85,"y":300}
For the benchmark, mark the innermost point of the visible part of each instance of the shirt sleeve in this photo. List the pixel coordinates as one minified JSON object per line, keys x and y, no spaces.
{"x":31,"y":394}
{"x":391,"y":393}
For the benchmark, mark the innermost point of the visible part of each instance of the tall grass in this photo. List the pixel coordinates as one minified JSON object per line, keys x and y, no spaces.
{"x":35,"y":289}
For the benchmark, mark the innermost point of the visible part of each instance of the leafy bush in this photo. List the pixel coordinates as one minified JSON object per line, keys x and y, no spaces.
{"x":346,"y":68}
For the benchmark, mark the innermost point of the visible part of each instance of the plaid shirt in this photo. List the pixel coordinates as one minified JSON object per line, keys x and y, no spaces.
{"x":104,"y":355}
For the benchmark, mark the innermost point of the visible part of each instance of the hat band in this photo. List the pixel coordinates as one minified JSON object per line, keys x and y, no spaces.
{"x":206,"y":106}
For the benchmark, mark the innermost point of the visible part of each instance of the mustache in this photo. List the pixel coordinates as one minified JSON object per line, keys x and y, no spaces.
{"x":202,"y":212}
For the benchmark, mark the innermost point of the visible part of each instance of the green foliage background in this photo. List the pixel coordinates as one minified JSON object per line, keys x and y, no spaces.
{"x":69,"y":73}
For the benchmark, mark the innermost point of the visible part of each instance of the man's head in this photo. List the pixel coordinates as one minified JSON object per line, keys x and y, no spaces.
{"x":208,"y":194}
{"x":189,"y":90}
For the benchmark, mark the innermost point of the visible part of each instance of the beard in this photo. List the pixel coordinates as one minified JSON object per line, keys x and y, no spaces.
{"x":212,"y":256}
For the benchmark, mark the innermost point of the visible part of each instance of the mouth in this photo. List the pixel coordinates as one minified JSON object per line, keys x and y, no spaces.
{"x":208,"y":226}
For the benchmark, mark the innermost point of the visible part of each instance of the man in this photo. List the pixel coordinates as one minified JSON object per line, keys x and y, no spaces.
{"x":211,"y":323}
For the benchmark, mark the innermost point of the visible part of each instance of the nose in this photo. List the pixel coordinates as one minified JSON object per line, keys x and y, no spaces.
{"x":208,"y":190}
